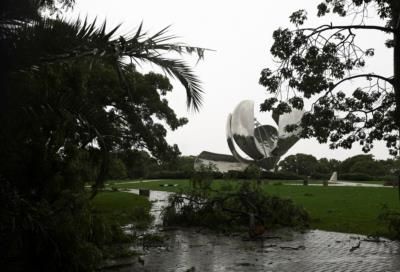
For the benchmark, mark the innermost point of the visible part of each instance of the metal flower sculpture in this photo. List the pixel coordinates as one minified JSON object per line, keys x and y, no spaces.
{"x":265,"y":144}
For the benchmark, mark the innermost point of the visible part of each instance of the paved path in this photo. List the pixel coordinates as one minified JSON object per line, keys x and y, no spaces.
{"x":312,"y":251}
{"x":345,"y":184}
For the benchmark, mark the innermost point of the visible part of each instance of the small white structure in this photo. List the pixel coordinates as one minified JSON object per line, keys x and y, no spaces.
{"x":333,"y":178}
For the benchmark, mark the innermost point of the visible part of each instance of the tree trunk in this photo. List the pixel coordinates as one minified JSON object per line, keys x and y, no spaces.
{"x":396,"y":72}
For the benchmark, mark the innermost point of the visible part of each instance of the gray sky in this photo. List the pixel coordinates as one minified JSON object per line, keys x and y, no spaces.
{"x":241,"y":34}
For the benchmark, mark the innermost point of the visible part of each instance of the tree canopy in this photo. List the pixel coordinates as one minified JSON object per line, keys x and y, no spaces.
{"x":71,"y":86}
{"x":71,"y":98}
{"x":315,"y":62}
{"x":300,"y":164}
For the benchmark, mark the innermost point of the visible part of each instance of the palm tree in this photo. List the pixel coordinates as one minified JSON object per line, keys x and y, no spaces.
{"x":70,"y":95}
{"x":36,"y":43}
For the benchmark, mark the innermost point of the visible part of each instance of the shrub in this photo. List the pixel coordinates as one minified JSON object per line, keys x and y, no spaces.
{"x":321,"y":176}
{"x":280,"y":175}
{"x":391,"y":219}
{"x":390,"y":180}
{"x":62,"y":235}
{"x":355,"y":177}
{"x":231,"y":175}
{"x":37,"y":240}
{"x":252,"y":172}
{"x":168,"y":174}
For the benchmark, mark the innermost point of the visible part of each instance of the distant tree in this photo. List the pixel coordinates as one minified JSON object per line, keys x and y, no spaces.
{"x":116,"y":168}
{"x":347,"y":164}
{"x":392,"y":166}
{"x":138,"y":163}
{"x":372,"y":168}
{"x":364,"y":164}
{"x":301,"y":164}
{"x":180,"y":163}
{"x":326,"y":166}
{"x":314,"y":62}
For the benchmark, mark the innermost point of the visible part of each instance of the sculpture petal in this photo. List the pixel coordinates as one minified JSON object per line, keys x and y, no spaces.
{"x":242,"y":128}
{"x":267,"y":138}
{"x":291,"y":118}
{"x":288,"y":139}
{"x":284,"y":144}
{"x":231,"y":144}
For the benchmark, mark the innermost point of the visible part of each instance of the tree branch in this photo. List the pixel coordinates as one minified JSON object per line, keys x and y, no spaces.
{"x":323,"y":28}
{"x":362,"y":75}
{"x":350,"y":78}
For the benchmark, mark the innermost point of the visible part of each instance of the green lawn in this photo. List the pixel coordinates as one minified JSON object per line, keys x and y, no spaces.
{"x":123,"y":207}
{"x":343,"y":209}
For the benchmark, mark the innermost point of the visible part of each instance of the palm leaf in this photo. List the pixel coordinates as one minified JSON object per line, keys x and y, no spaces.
{"x":52,"y":41}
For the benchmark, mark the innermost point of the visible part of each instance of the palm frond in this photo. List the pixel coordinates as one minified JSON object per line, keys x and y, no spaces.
{"x":51,"y":41}
{"x":181,"y":71}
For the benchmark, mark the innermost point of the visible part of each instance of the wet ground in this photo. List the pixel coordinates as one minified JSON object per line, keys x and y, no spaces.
{"x":310,"y":251}
{"x":284,"y":250}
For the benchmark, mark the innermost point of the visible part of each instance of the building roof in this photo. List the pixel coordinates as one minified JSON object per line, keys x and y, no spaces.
{"x":216,"y":157}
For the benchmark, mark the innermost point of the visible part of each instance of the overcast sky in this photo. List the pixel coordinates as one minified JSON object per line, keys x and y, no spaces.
{"x":240,"y":32}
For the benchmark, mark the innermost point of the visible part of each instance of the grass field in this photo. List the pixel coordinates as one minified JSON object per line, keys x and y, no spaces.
{"x":123,"y":207}
{"x":343,"y":209}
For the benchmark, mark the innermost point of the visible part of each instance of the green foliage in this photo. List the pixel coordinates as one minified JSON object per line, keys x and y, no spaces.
{"x":203,"y":177}
{"x":138,"y":163}
{"x":67,"y":234}
{"x":348,"y":163}
{"x":301,"y":164}
{"x":231,"y":175}
{"x":391,"y":218}
{"x":314,"y":62}
{"x":356,"y":168}
{"x":116,"y":169}
{"x":252,"y":172}
{"x":326,"y":166}
{"x":365,"y":164}
{"x":181,"y":163}
{"x":230,"y":210}
{"x":391,"y":180}
{"x":70,"y":102}
{"x":27,"y":9}
{"x":354,"y":176}
{"x":44,"y":236}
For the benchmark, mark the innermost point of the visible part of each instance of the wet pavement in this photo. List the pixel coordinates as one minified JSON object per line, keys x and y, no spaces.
{"x":284,"y":250}
{"x":311,"y":251}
